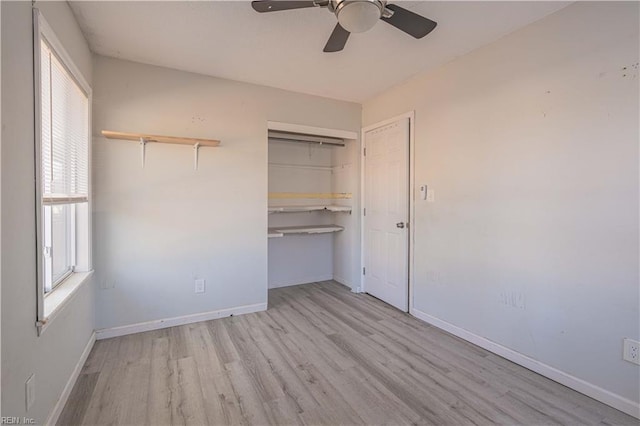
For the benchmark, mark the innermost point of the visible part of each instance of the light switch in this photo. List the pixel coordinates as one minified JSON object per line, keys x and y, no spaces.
{"x":423,"y":192}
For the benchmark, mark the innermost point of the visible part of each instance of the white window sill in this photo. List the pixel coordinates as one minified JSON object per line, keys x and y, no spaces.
{"x":60,"y":296}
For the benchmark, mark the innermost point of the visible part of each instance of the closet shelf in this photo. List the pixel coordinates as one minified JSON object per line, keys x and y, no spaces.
{"x":274,"y":234}
{"x":322,"y":207}
{"x":317,"y":195}
{"x":316,"y":229}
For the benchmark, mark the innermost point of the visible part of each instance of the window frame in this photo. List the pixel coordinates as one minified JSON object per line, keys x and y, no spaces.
{"x":47,"y":237}
{"x":63,"y":290}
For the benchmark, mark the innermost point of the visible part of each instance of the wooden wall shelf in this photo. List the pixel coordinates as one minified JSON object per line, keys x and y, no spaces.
{"x":144,"y":138}
{"x":160,"y":139}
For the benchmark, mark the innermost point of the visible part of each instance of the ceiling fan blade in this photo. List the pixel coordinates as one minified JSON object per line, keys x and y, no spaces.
{"x":278,"y":5}
{"x":337,"y":40}
{"x":409,"y":22}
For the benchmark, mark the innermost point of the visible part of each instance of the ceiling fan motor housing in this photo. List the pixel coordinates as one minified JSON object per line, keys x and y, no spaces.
{"x":357,"y":16}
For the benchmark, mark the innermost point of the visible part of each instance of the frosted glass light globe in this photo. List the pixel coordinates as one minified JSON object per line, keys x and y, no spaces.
{"x":358,"y":16}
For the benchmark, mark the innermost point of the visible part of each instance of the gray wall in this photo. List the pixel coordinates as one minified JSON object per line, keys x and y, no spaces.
{"x":531,"y":146}
{"x":53,"y":356}
{"x":158,"y":228}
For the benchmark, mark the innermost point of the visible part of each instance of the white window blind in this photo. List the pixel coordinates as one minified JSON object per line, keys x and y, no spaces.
{"x":63,"y":180}
{"x":65,"y":138}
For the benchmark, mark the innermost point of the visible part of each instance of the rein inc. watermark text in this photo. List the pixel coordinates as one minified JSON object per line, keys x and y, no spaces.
{"x":14,"y":420}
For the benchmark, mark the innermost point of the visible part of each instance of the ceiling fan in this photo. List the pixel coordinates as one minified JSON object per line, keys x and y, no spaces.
{"x":355,"y":16}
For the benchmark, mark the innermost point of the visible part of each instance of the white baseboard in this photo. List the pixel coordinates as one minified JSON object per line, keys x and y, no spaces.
{"x":342,"y":280}
{"x":616,"y":401}
{"x":64,"y":396}
{"x":303,"y":280}
{"x":140,"y":327}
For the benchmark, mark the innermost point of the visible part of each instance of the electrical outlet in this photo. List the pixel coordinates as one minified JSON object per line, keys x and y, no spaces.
{"x":106,"y":284}
{"x":512,"y":299}
{"x":433,"y":276}
{"x":631,"y":351}
{"x":199,"y":286}
{"x":30,"y":391}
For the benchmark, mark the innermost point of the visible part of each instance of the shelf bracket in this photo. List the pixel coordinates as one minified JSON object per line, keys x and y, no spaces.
{"x":196,"y":148}
{"x":143,"y":144}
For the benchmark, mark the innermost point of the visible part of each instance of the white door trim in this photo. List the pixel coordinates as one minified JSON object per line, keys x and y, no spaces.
{"x":411,"y":116}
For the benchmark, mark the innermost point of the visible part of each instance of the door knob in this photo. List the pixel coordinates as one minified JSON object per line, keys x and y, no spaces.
{"x":400,"y":225}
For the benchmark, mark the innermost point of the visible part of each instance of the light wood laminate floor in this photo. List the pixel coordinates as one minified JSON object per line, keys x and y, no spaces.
{"x":319,"y":355}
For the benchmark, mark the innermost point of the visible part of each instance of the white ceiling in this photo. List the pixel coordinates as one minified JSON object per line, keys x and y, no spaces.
{"x":284,"y":49}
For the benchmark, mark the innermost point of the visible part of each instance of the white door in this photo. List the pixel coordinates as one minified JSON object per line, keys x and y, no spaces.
{"x":386,"y":215}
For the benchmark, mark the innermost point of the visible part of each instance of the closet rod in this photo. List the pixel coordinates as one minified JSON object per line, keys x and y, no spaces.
{"x":275,"y":135}
{"x":300,"y":141}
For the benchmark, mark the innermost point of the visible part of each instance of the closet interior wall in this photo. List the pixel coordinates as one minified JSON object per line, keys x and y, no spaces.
{"x":298,"y":167}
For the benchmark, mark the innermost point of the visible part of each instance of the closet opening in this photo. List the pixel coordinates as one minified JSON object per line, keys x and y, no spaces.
{"x":313,"y":206}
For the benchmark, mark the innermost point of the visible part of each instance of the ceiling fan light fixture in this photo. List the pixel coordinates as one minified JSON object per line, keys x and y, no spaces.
{"x":355,"y":16}
{"x":358,"y":16}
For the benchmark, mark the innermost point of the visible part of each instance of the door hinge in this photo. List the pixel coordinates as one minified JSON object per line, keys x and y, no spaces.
{"x":364,"y":211}
{"x":364,"y":271}
{"x":365,"y":152}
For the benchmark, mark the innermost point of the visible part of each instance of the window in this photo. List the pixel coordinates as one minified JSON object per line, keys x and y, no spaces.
{"x":64,"y":144}
{"x":63,"y":188}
